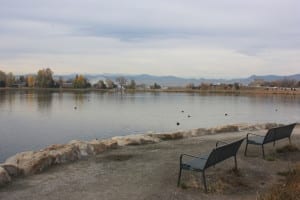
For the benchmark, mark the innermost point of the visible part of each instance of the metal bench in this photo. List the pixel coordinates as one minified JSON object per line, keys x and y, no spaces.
{"x":272,"y":135}
{"x":202,"y":162}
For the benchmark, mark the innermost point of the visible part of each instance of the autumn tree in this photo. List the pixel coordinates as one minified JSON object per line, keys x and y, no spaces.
{"x":10,"y":79}
{"x":44,"y":78}
{"x":132,"y":85}
{"x":31,"y":81}
{"x":80,"y":82}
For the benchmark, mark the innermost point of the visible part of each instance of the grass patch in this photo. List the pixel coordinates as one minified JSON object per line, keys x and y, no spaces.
{"x":287,"y":148}
{"x":289,"y":190}
{"x":270,"y":157}
{"x":235,"y":172}
{"x":115,"y":157}
{"x":184,"y":186}
{"x":287,"y":173}
{"x":228,"y":181}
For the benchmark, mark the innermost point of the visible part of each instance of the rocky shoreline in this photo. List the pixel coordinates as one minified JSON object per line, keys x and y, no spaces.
{"x":33,"y":162}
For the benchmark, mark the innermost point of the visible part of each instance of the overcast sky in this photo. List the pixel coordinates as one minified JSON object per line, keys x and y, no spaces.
{"x":187,"y":38}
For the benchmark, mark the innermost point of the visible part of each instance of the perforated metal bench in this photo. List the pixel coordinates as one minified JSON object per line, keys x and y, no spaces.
{"x":202,"y":162}
{"x":272,"y":135}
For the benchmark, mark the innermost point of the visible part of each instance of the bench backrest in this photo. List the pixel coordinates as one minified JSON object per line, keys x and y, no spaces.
{"x":270,"y":136}
{"x":223,"y":152}
{"x":279,"y":133}
{"x":284,"y":131}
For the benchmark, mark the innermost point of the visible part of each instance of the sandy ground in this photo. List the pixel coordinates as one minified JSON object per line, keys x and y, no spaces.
{"x":150,"y":172}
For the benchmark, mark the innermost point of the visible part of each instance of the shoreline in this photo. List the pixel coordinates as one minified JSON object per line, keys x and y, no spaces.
{"x":244,"y":91}
{"x":33,"y":162}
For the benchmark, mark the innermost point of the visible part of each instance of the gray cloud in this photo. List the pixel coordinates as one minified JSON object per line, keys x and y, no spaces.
{"x":83,"y":27}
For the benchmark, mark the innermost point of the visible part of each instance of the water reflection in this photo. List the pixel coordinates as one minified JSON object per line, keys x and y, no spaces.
{"x":42,"y":118}
{"x":7,"y":100}
{"x":44,"y":100}
{"x":2,"y":98}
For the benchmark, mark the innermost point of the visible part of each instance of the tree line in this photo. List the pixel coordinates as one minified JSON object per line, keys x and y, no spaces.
{"x":284,"y":83}
{"x":44,"y":79}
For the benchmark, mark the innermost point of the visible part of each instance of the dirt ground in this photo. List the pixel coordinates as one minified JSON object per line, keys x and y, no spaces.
{"x":151,"y":171}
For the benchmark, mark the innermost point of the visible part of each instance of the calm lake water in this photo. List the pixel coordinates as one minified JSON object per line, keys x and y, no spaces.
{"x":32,"y":120}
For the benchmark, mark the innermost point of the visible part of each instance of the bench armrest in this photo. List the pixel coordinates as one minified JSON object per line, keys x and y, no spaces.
{"x":217,"y":143}
{"x":181,"y":156}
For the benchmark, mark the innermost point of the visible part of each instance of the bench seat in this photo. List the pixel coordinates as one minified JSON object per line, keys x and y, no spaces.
{"x":197,"y":164}
{"x":256,"y":139}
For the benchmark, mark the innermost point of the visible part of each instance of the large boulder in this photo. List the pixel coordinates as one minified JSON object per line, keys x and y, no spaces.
{"x":225,"y":129}
{"x":31,"y":162}
{"x":256,"y":127}
{"x":272,"y":125}
{"x":246,"y":127}
{"x":12,"y":170}
{"x":4,"y":177}
{"x":135,"y":140}
{"x":84,"y":147}
{"x":168,"y":136}
{"x":99,"y":146}
{"x":197,"y":132}
{"x":110,"y":143}
{"x":62,"y":153}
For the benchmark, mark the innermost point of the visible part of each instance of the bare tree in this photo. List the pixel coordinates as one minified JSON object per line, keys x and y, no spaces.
{"x":122,"y":81}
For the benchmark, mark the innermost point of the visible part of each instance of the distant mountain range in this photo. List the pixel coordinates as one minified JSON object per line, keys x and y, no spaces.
{"x":178,"y":81}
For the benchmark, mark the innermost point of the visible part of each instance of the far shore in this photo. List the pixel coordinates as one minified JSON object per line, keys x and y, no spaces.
{"x":242,"y":91}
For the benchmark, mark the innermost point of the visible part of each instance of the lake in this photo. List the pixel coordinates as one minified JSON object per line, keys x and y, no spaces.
{"x":31,"y":120}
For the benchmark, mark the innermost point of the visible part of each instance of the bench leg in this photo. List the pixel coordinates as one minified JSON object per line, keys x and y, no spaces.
{"x":204,"y":181}
{"x":179,"y":177}
{"x":274,"y":143}
{"x":263,"y":151}
{"x":235,"y":162}
{"x":246,"y":149}
{"x":290,"y":140}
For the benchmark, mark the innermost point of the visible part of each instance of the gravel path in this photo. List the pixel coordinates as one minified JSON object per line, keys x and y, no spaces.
{"x":150,"y":172}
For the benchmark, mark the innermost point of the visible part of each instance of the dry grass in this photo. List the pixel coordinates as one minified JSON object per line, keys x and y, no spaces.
{"x":289,"y":190}
{"x":225,"y":181}
{"x":287,"y":148}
